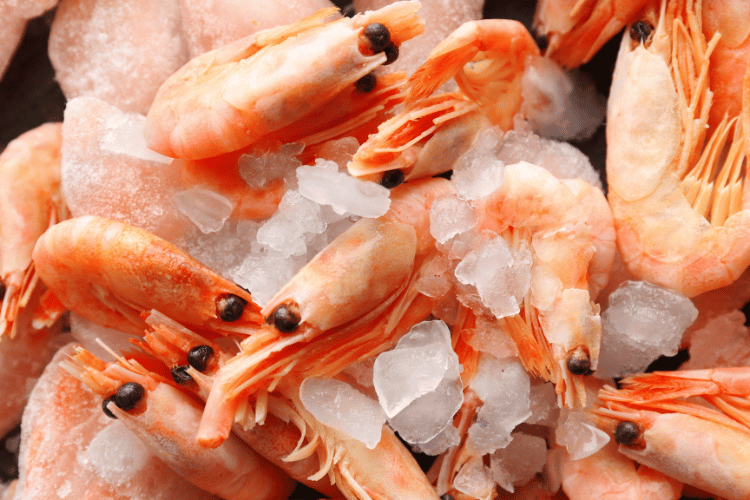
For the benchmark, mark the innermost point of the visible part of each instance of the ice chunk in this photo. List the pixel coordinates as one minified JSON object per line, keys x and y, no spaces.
{"x":576,"y":432}
{"x":116,"y":185}
{"x":504,"y":387}
{"x":449,"y":216}
{"x":559,"y":104}
{"x":324,"y":184}
{"x":447,"y":438}
{"x":264,"y":273}
{"x":475,"y":480}
{"x":543,"y":403}
{"x":723,"y":341}
{"x":260,"y":168}
{"x":339,"y":151}
{"x":296,"y":218}
{"x":339,"y":405}
{"x":478,"y":172}
{"x":125,"y":136}
{"x":208,"y":210}
{"x":361,"y":372}
{"x":518,"y":462}
{"x":502,"y":276}
{"x":86,"y":332}
{"x":562,"y":159}
{"x":641,"y":323}
{"x":116,"y":454}
{"x":120,"y":52}
{"x":490,"y":338}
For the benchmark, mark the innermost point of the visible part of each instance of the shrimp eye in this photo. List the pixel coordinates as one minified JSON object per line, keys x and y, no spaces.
{"x":285,"y":318}
{"x":230,"y":307}
{"x":106,"y":411}
{"x":366,"y":83}
{"x":627,"y":432}
{"x":541,"y":41}
{"x":2,"y":290}
{"x":378,"y":36}
{"x":640,"y":31}
{"x":391,"y":54}
{"x":198,"y":357}
{"x":180,"y":374}
{"x":579,"y":362}
{"x":392,"y":178}
{"x":446,"y":497}
{"x":128,"y":395}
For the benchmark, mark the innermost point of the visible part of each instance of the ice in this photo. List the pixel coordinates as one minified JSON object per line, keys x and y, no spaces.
{"x":265,"y":273}
{"x":114,"y":185}
{"x":115,"y":454}
{"x":449,"y":216}
{"x":490,"y":338}
{"x":558,"y":104}
{"x":339,"y":151}
{"x":119,"y":52}
{"x":723,"y":341}
{"x":125,"y":136}
{"x":502,"y":276}
{"x":86,"y":332}
{"x":543,"y":404}
{"x":576,"y":432}
{"x":641,"y":323}
{"x":503,"y":386}
{"x":324,"y":184}
{"x":518,"y":462}
{"x":418,"y":382}
{"x":205,"y":208}
{"x":361,"y":372}
{"x":339,"y":405}
{"x":478,"y":172}
{"x":285,"y":231}
{"x":433,"y":286}
{"x":562,"y":159}
{"x":260,"y":168}
{"x":447,"y":438}
{"x":475,"y":480}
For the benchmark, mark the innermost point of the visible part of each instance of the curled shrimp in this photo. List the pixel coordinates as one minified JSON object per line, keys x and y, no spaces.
{"x":703,"y":442}
{"x":676,"y":181}
{"x":568,"y":229}
{"x":110,"y":272}
{"x":432,"y":132}
{"x":258,"y":85}
{"x":352,"y":301}
{"x":165,"y":419}
{"x":30,"y":202}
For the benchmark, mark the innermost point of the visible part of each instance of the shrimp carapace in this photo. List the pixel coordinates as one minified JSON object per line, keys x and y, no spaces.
{"x":231,"y":97}
{"x":676,"y":181}
{"x":110,"y":273}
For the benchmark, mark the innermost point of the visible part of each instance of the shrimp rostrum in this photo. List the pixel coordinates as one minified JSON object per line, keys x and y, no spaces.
{"x":676,"y":148}
{"x":691,"y":425}
{"x":231,"y":97}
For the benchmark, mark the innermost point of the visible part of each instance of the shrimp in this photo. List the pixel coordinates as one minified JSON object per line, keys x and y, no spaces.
{"x":659,"y":422}
{"x":576,"y":30}
{"x":675,"y":181}
{"x":70,"y":450}
{"x":165,"y":419}
{"x":610,"y":475}
{"x":352,"y":301}
{"x":110,"y":272}
{"x":258,"y":85}
{"x":30,"y":202}
{"x":432,"y":132}
{"x":569,"y":231}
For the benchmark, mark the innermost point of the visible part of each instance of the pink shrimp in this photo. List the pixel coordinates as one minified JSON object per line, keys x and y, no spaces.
{"x":231,"y":97}
{"x":30,"y":202}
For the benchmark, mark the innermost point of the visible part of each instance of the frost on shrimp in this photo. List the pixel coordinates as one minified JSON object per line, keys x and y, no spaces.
{"x":691,"y":425}
{"x":352,"y":301}
{"x":30,"y":202}
{"x":676,"y":182}
{"x":229,"y":98}
{"x":110,"y":272}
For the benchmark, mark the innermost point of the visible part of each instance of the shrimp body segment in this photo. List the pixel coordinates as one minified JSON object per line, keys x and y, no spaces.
{"x":30,"y":202}
{"x":676,"y":184}
{"x":110,"y":272}
{"x":705,"y":444}
{"x":226,"y":99}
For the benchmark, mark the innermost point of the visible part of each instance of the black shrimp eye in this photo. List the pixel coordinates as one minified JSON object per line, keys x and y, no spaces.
{"x":627,"y":432}
{"x":579,"y":362}
{"x":106,"y":411}
{"x":391,"y":54}
{"x":446,"y":497}
{"x":198,"y":357}
{"x":366,"y":83}
{"x":128,"y":395}
{"x":180,"y":374}
{"x":640,"y":31}
{"x":285,"y":318}
{"x":378,"y":36}
{"x":542,"y":41}
{"x":392,"y":178}
{"x":230,"y":307}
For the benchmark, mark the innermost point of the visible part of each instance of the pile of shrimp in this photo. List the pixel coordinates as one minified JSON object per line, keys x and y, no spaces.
{"x":249,"y":210}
